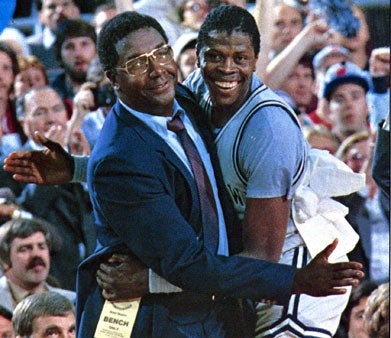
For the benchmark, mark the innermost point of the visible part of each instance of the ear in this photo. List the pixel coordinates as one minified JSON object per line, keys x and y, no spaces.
{"x":111,"y":75}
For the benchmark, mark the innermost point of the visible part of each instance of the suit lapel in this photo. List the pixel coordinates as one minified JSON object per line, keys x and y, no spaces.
{"x":155,"y":142}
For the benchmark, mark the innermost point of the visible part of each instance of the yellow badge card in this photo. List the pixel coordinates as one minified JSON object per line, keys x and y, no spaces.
{"x":117,"y":319}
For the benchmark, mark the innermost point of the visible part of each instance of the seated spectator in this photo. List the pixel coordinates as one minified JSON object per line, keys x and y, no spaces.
{"x":47,"y":314}
{"x":377,"y":312}
{"x":75,"y":48}
{"x":50,"y":14}
{"x":25,"y":259}
{"x":31,"y":73}
{"x":352,"y":319}
{"x":92,"y":103}
{"x":67,"y":207}
{"x":320,"y":137}
{"x":6,"y":329}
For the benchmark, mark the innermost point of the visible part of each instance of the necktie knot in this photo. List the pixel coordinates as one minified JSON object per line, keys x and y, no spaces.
{"x":175,"y":124}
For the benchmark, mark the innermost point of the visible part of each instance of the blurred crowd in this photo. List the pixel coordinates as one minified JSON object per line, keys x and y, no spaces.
{"x":335,"y":82}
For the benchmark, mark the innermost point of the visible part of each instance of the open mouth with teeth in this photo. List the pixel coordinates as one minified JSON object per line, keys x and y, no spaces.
{"x":226,"y":85}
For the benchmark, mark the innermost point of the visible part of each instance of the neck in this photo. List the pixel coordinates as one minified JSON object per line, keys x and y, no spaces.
{"x":27,"y":286}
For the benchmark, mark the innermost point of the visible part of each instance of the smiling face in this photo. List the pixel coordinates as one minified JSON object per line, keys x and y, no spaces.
{"x":227,"y":63}
{"x":152,"y":92}
{"x":44,"y":110}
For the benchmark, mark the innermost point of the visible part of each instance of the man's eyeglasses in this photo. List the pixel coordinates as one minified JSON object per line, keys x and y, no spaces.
{"x":139,"y":65}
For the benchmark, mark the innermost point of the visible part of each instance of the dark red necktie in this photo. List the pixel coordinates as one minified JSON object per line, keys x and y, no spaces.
{"x":210,"y":224}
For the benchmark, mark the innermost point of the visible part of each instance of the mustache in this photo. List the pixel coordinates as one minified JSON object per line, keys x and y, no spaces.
{"x":34,"y":262}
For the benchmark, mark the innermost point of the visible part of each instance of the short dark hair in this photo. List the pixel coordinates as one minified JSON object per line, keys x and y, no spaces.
{"x":4,"y":312}
{"x":21,"y":228}
{"x":7,"y":49}
{"x":229,"y":19}
{"x":39,"y":305}
{"x":73,"y":28}
{"x":364,"y":289}
{"x":119,"y":27}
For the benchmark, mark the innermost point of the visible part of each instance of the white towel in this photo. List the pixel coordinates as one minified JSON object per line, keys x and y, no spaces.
{"x":318,"y":218}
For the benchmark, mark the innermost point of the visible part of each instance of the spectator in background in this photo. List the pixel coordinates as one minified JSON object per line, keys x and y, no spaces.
{"x":320,"y":137}
{"x":25,"y":258}
{"x":185,"y":54}
{"x":12,"y":135}
{"x":299,"y":85}
{"x":51,"y":13}
{"x":103,"y":13}
{"x":377,"y":312}
{"x":67,"y":207}
{"x":16,"y":40}
{"x":42,"y":315}
{"x":287,"y":24}
{"x":344,"y":87}
{"x":365,"y":213}
{"x":6,"y":329}
{"x":32,"y":73}
{"x":192,"y":14}
{"x":352,"y":320}
{"x":326,"y":57}
{"x":358,"y":45}
{"x":76,"y":48}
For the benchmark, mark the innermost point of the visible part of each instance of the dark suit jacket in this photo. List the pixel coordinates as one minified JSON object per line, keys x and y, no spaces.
{"x":145,"y":202}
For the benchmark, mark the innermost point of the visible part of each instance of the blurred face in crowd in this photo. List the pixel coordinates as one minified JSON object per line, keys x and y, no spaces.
{"x":299,"y":85}
{"x":56,"y":11}
{"x":30,"y":261}
{"x":76,"y":55}
{"x":149,"y":88}
{"x":348,"y":107}
{"x":187,"y":61}
{"x":287,"y":24}
{"x":227,"y":63}
{"x":194,"y":13}
{"x":357,"y":155}
{"x":27,"y":79}
{"x":54,"y":326}
{"x":6,"y":75}
{"x":6,"y":329}
{"x":319,"y":141}
{"x":44,"y":110}
{"x":356,"y":320}
{"x":102,"y":17}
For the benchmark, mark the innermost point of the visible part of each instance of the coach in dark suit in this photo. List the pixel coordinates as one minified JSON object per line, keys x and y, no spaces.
{"x":145,"y":202}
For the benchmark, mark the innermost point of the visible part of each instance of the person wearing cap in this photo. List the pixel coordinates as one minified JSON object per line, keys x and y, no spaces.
{"x":326,"y":57}
{"x":344,"y":87}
